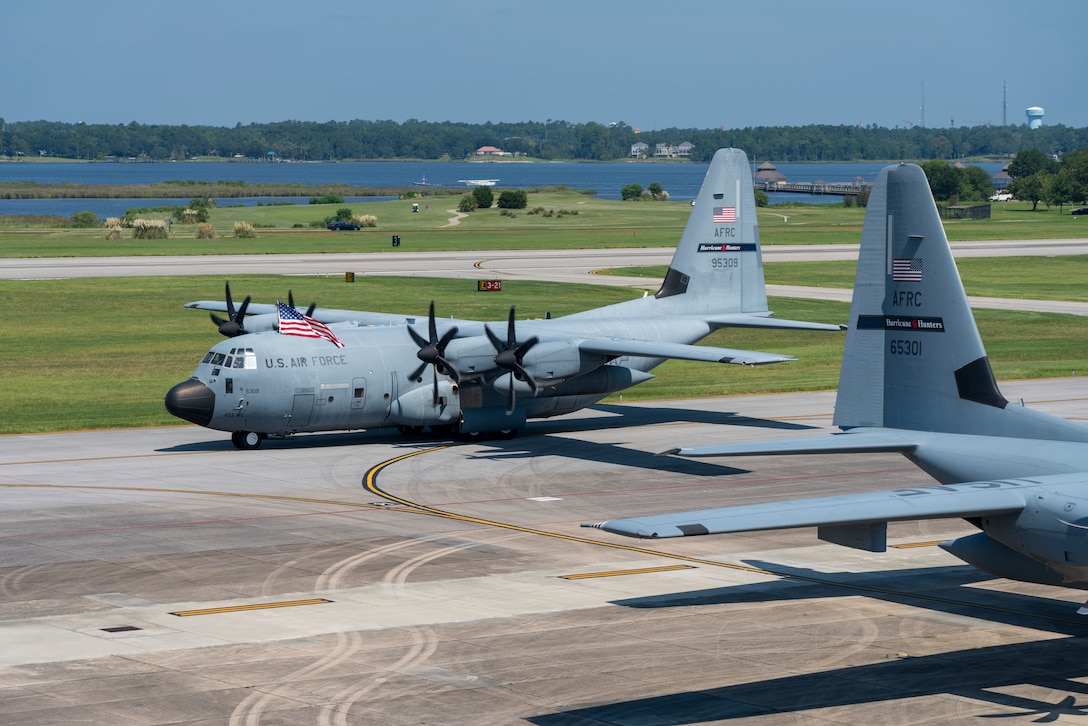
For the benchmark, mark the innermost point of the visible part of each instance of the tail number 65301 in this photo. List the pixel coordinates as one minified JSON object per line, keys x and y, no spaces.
{"x":905,"y":347}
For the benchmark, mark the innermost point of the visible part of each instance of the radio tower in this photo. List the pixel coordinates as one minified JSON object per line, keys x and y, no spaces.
{"x":1004,"y":103}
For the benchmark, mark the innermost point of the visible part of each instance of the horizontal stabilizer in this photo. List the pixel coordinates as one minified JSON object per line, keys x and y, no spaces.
{"x":856,"y":441}
{"x":974,"y":499}
{"x":679,"y":351}
{"x":757,"y":321}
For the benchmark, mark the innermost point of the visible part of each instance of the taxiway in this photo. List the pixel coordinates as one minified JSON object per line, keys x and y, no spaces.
{"x":161,"y":576}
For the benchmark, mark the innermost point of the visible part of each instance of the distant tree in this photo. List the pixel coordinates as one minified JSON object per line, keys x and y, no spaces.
{"x":1030,"y":161}
{"x":1059,"y":189}
{"x":344,"y":214}
{"x":762,"y":200}
{"x":513,"y":199}
{"x":84,"y":219}
{"x":656,"y":190}
{"x":467,"y":204}
{"x":944,"y":180}
{"x":1030,"y":188}
{"x":976,"y":183}
{"x":1075,"y":166}
{"x":484,"y":197}
{"x":631,"y":191}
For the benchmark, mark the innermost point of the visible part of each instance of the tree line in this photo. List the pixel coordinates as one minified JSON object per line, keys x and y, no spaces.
{"x":551,"y":140}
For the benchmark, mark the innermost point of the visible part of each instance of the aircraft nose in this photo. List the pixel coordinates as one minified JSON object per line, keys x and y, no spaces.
{"x":192,"y":401}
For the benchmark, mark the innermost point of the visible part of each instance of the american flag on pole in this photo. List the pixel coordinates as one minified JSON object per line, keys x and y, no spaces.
{"x":292,"y":322}
{"x":907,"y":269}
{"x":725,"y":215}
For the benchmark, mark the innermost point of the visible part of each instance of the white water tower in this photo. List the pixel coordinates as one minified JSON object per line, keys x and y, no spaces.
{"x":1035,"y":117}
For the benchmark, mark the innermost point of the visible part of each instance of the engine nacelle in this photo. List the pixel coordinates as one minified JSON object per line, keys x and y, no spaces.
{"x":557,"y":360}
{"x":417,"y":407}
{"x":992,"y":557}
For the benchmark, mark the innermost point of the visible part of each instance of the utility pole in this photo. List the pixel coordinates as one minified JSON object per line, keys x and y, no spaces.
{"x":1004,"y":103}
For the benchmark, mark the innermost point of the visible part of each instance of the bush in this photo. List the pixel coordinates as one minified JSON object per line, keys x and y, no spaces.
{"x":243,"y":230}
{"x":467,"y":204}
{"x":365,"y":220}
{"x":327,"y":199}
{"x":506,"y":212}
{"x":204,"y":231}
{"x":863,"y":198}
{"x":149,"y":229}
{"x":762,"y":200}
{"x":513,"y":199}
{"x":484,"y":197}
{"x":631,"y":191}
{"x":84,"y":220}
{"x":343,"y":214}
{"x":113,"y":228}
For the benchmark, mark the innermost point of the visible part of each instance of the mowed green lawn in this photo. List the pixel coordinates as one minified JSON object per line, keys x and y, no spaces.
{"x":101,"y":353}
{"x":576,"y":221}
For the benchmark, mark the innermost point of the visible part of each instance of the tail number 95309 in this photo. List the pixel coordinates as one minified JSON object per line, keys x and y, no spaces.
{"x":722,"y":263}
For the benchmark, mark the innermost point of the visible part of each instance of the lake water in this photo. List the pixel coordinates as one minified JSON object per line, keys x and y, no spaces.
{"x":682,"y":180}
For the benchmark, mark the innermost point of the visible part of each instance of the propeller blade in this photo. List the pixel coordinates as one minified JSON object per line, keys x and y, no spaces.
{"x":432,"y":351}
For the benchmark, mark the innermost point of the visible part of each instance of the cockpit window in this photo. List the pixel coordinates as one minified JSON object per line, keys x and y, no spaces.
{"x":208,"y":357}
{"x":217,"y":359}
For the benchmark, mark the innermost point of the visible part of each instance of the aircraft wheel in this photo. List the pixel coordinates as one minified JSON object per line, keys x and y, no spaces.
{"x":246,"y":440}
{"x":504,"y":434}
{"x":410,"y":430}
{"x":471,"y":435}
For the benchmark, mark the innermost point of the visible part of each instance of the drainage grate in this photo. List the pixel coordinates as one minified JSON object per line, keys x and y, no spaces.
{"x":120,"y":629}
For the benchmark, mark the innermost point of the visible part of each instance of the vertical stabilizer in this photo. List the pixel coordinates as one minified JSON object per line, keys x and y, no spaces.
{"x":718,"y":266}
{"x":913,"y":357}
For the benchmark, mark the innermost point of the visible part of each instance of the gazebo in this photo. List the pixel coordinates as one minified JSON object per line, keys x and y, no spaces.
{"x":767,"y":173}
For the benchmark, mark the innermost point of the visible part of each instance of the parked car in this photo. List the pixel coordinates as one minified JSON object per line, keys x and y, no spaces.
{"x":1081,"y":210}
{"x":338,"y":225}
{"x":1001,"y":196}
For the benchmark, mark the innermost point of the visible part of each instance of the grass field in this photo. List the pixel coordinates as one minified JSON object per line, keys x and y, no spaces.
{"x":599,"y":223}
{"x":101,"y":353}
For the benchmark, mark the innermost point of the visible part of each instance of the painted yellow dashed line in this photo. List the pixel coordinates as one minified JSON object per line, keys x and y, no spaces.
{"x":911,"y":545}
{"x":244,"y":608}
{"x":619,"y":573}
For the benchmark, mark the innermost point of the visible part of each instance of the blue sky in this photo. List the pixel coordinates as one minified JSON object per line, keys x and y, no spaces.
{"x":651,"y":65}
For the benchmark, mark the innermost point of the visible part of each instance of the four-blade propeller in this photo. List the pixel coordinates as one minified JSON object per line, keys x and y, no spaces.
{"x":509,"y":354}
{"x":233,"y":326}
{"x":432,"y":352}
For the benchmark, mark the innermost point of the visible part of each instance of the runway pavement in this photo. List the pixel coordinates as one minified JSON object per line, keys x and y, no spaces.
{"x":160,"y":576}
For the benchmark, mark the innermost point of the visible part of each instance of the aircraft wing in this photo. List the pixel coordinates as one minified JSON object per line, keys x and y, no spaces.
{"x":740,"y":320}
{"x":855,"y":441}
{"x":325,"y":315}
{"x":973,"y":499}
{"x":652,"y":349}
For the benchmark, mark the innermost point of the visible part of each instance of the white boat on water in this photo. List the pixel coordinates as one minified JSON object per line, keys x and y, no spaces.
{"x":479,"y":182}
{"x":422,"y":183}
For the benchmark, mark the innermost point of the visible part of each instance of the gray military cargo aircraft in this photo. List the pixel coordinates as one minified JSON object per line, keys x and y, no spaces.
{"x":915,"y":379}
{"x":284,"y":371}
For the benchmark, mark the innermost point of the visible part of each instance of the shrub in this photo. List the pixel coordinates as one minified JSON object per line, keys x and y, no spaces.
{"x":467,"y":204}
{"x":84,"y":220}
{"x":484,"y":197}
{"x":631,"y":191}
{"x":513,"y":199}
{"x":536,"y":210}
{"x":113,"y":228}
{"x":762,"y":200}
{"x":243,"y":230}
{"x":327,"y":199}
{"x":204,"y":231}
{"x":343,"y":214}
{"x":365,"y":220}
{"x":149,"y":229}
{"x":506,"y":212}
